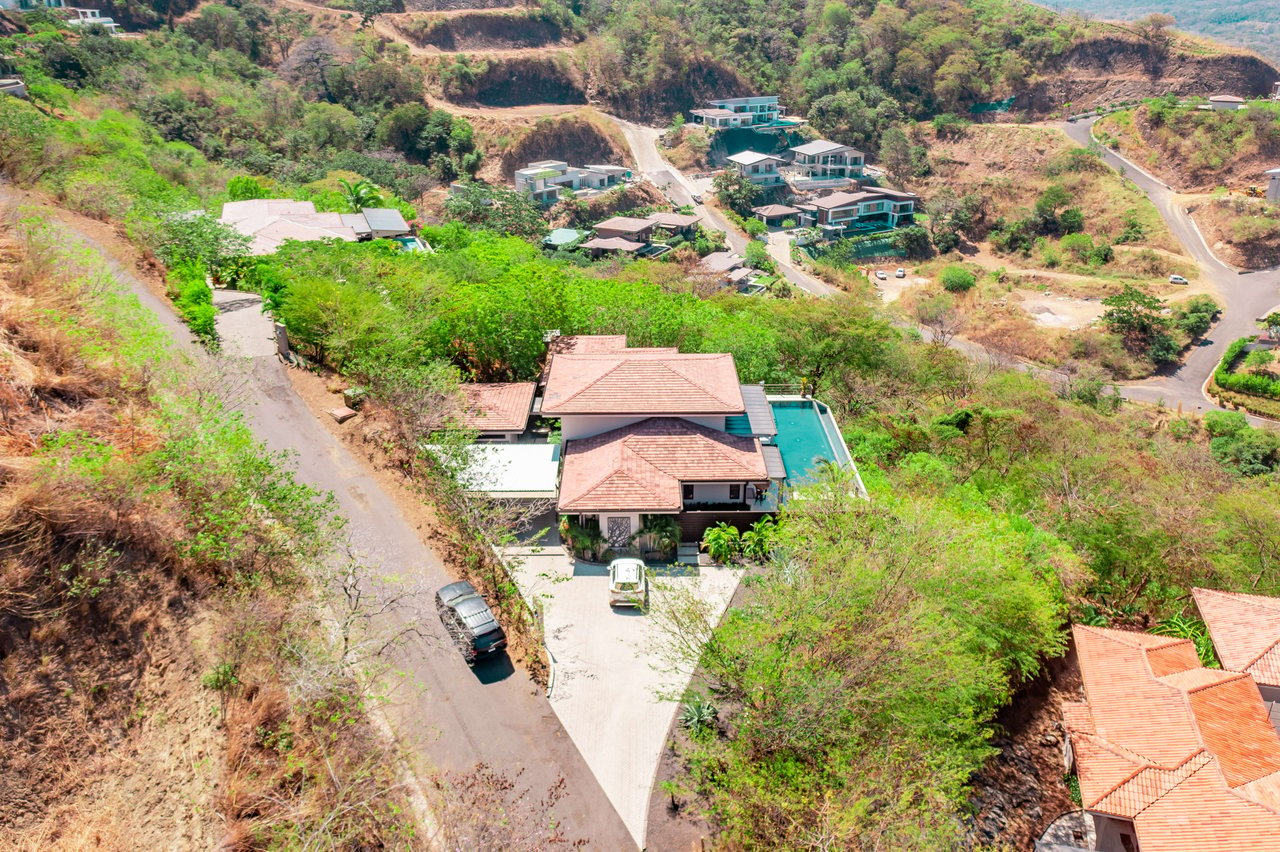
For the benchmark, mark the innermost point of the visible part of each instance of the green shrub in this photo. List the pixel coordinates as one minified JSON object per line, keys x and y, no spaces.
{"x":1224,"y":423}
{"x":956,"y":278}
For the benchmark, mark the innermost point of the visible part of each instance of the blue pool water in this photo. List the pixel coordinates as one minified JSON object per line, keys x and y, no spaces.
{"x":802,"y":438}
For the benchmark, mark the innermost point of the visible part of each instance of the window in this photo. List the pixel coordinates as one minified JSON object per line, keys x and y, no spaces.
{"x":735,"y":493}
{"x":688,"y":492}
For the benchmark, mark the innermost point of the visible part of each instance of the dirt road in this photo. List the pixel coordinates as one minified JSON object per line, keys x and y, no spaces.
{"x":454,"y":716}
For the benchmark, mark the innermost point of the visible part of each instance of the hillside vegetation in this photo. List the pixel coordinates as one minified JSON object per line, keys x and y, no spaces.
{"x":1194,"y":149}
{"x":164,"y":674}
{"x":856,"y":683}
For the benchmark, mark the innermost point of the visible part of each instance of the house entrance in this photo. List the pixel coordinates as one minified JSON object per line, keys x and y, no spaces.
{"x":619,"y":532}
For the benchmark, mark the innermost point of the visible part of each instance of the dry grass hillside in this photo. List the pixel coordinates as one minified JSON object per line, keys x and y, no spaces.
{"x":154,"y":626}
{"x":1244,"y":232}
{"x":1010,"y":166}
{"x":492,"y":29}
{"x":1196,"y":150}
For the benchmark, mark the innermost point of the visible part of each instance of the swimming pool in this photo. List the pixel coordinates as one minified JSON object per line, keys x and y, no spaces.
{"x":806,"y":436}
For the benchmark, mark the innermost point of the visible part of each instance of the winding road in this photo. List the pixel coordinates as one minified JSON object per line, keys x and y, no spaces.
{"x":643,"y":142}
{"x":1245,"y":296}
{"x":455,"y":716}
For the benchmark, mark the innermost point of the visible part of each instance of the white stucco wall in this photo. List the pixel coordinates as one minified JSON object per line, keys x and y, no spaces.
{"x":1109,"y":831}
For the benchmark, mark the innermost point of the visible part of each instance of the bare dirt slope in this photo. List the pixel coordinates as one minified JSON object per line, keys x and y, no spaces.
{"x":580,"y":137}
{"x":477,"y":30}
{"x":1118,"y":67}
{"x":109,"y":739}
{"x":1244,"y":232}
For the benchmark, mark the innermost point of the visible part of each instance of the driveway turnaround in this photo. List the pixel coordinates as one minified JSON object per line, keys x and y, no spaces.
{"x":613,"y":690}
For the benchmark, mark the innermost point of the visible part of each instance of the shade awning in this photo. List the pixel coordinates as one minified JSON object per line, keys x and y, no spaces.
{"x":512,"y":470}
{"x":773,"y":462}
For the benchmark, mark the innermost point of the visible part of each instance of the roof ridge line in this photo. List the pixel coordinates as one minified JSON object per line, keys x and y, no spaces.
{"x":1235,"y":676}
{"x":1265,"y":651}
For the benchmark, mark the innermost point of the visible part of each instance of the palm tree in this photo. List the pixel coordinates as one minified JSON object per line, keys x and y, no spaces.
{"x":360,"y":194}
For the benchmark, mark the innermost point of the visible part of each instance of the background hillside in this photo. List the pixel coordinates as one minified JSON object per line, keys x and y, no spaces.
{"x":1254,"y":24}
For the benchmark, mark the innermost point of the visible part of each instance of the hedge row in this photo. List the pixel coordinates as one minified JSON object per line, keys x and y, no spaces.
{"x":1247,"y":383}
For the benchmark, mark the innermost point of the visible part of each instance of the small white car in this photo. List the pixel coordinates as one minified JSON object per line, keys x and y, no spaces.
{"x":900,"y":273}
{"x":881,"y":275}
{"x":1178,"y":279}
{"x":628,"y":583}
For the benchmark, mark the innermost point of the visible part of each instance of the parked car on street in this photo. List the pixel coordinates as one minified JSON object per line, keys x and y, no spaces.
{"x":900,"y":273}
{"x":1178,"y":279}
{"x":628,"y":583}
{"x":469,"y":621}
{"x":880,"y":274}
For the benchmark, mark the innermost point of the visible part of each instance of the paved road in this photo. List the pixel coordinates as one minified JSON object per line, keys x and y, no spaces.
{"x":643,"y":142}
{"x":457,"y":717}
{"x":1245,"y":296}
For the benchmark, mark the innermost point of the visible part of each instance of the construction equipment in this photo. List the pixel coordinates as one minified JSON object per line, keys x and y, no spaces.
{"x":1254,"y":191}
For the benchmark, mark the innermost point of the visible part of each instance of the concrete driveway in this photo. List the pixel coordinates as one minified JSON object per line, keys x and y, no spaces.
{"x":612,"y":689}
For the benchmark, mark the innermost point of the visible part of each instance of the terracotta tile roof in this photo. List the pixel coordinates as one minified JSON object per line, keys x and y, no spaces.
{"x":640,"y":467}
{"x":1179,"y":749}
{"x":562,"y":344}
{"x":497,"y":406}
{"x":641,"y":382}
{"x":592,"y":344}
{"x":1245,"y":631}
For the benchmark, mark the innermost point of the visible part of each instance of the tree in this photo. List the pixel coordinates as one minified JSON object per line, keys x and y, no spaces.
{"x":246,"y":188}
{"x":1132,"y":312}
{"x":401,"y":127}
{"x":956,"y":279}
{"x":360,"y":194}
{"x":735,"y":192}
{"x":1047,"y":206}
{"x":819,"y":338}
{"x":902,"y":159}
{"x":200,"y":238}
{"x":938,"y":313}
{"x":330,"y":126}
{"x":496,"y":209}
{"x":371,"y":9}
{"x":1153,"y":29}
{"x":1139,"y":318}
{"x":1271,"y":322}
{"x":913,"y":240}
{"x":309,"y":62}
{"x":757,"y":257}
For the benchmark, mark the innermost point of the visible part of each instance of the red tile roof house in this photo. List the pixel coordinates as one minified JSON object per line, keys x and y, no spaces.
{"x":1172,"y":756}
{"x":645,"y":433}
{"x":651,"y":431}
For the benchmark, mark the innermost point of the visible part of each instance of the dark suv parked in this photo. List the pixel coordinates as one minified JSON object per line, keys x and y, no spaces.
{"x":469,"y":621}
